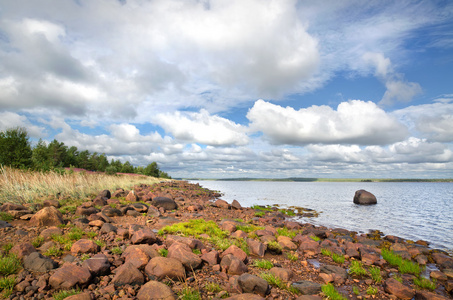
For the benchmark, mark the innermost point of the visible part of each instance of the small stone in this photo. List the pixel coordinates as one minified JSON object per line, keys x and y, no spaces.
{"x":84,"y":246}
{"x":48,"y":216}
{"x":128,"y":274}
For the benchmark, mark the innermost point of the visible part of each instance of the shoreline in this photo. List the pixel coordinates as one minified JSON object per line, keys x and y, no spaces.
{"x":136,"y":236}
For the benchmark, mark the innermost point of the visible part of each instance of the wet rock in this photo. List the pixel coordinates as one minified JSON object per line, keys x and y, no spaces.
{"x":128,"y":274}
{"x":84,"y":246}
{"x":143,"y":236}
{"x":48,"y":216}
{"x":162,"y":267}
{"x":22,"y":250}
{"x":155,"y":290}
{"x":363,"y":197}
{"x":394,"y":287}
{"x":307,"y":287}
{"x":38,"y":263}
{"x":233,"y":265}
{"x":98,"y":265}
{"x":184,"y":254}
{"x":445,"y":261}
{"x":68,"y":276}
{"x":253,"y":284}
{"x":164,"y":202}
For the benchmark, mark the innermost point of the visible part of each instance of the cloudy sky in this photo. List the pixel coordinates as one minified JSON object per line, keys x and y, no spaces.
{"x":236,"y":88}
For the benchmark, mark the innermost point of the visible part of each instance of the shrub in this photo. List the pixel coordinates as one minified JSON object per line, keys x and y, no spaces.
{"x":376,"y":274}
{"x":425,"y":283}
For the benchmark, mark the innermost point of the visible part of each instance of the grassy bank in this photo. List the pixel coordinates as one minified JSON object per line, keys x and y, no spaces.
{"x":300,"y":179}
{"x":19,"y":186}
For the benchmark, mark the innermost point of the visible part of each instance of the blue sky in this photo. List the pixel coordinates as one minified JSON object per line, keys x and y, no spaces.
{"x":238,"y":88}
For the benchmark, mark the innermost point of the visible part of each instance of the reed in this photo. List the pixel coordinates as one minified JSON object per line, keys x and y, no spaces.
{"x":19,"y":186}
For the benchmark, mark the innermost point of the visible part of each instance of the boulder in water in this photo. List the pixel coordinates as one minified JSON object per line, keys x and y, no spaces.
{"x":363,"y":197}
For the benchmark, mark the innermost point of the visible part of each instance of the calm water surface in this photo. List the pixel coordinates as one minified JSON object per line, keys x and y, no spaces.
{"x":409,"y":210}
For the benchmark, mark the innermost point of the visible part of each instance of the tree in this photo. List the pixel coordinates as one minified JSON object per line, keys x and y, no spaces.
{"x":72,"y":157}
{"x":40,"y":156}
{"x":152,"y":169}
{"x":127,"y":168}
{"x":57,"y":154}
{"x":15,"y":149}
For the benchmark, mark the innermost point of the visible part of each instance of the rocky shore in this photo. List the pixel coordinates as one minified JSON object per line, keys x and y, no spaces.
{"x":176,"y":240}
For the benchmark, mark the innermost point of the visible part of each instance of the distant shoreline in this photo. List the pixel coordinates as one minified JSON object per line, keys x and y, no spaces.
{"x":299,"y":179}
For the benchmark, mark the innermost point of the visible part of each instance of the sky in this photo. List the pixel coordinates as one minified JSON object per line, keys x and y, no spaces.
{"x":236,"y":88}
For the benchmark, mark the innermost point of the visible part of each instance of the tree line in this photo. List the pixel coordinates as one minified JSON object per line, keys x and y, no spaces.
{"x":17,"y":152}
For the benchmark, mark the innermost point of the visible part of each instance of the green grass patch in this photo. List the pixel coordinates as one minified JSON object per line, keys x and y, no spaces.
{"x":273,"y":280}
{"x":398,"y":278}
{"x":91,"y":234}
{"x":53,"y":251}
{"x":376,"y":274}
{"x":275,"y":247}
{"x":263,"y":264}
{"x":404,"y":265}
{"x":6,"y":247}
{"x":117,"y":250}
{"x":75,"y":234}
{"x":331,"y":293}
{"x":335,"y":257}
{"x":4,"y":216}
{"x":64,"y":294}
{"x":291,"y":256}
{"x":9,"y":264}
{"x":262,"y":208}
{"x":315,"y":238}
{"x":163,"y":252}
{"x":289,"y":212}
{"x":356,"y":269}
{"x":355,"y":290}
{"x":371,"y":290}
{"x":425,"y":283}
{"x":248,"y":228}
{"x":260,"y":214}
{"x":213,"y":287}
{"x":37,"y":241}
{"x":286,"y":232}
{"x":196,"y":251}
{"x":195,"y":228}
{"x":189,"y":294}
{"x":100,"y":243}
{"x":7,"y":285}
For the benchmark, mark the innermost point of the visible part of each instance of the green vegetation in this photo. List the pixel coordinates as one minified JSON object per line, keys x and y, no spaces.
{"x":291,"y":256}
{"x":37,"y":241}
{"x":371,"y":290}
{"x":263,"y":264}
{"x":100,"y":243}
{"x":7,"y":285}
{"x":4,"y":216}
{"x":213,"y":287}
{"x":163,"y":252}
{"x":273,"y":280}
{"x":64,"y":294}
{"x":404,"y":265}
{"x":397,"y":277}
{"x":248,"y":228}
{"x":117,"y":250}
{"x":315,"y":238}
{"x":335,"y":257}
{"x":376,"y":274}
{"x":195,"y":228}
{"x":6,"y":247}
{"x":355,"y":290}
{"x":260,"y":214}
{"x":53,"y":251}
{"x":331,"y":293}
{"x":357,"y":269}
{"x":9,"y":264}
{"x":196,"y":251}
{"x":286,"y":232}
{"x":275,"y":247}
{"x":189,"y":294}
{"x":425,"y":283}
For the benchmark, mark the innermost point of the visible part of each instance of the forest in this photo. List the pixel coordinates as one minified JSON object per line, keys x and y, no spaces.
{"x":16,"y":151}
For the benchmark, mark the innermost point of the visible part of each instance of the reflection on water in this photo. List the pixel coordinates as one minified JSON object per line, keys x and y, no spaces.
{"x":410,"y":210}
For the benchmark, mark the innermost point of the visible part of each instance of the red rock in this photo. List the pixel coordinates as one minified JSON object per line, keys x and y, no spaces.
{"x":247,"y":296}
{"x":137,"y":257}
{"x":81,"y":296}
{"x":132,"y":197}
{"x":422,"y":295}
{"x":286,"y":243}
{"x":143,"y":236}
{"x":239,"y":234}
{"x":282,"y":273}
{"x":253,"y":284}
{"x":438,"y":275}
{"x":394,"y":287}
{"x":443,"y":260}
{"x":233,"y":265}
{"x":68,"y":276}
{"x":236,"y":205}
{"x":212,"y":257}
{"x":154,"y":290}
{"x":191,"y":242}
{"x":237,"y":252}
{"x":222,"y":204}
{"x":47,"y":233}
{"x":256,"y":248}
{"x":229,"y":226}
{"x":184,"y":254}
{"x":96,"y":223}
{"x":48,"y":216}
{"x":128,"y":274}
{"x":162,"y":267}
{"x":22,"y":250}
{"x":98,"y":265}
{"x":84,"y":246}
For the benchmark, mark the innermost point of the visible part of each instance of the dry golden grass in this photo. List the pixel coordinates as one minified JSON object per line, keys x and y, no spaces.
{"x":19,"y":186}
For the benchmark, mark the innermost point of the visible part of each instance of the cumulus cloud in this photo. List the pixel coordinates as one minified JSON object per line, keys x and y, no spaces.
{"x":10,"y":120}
{"x":433,"y":121}
{"x":203,"y":128}
{"x":354,"y":122}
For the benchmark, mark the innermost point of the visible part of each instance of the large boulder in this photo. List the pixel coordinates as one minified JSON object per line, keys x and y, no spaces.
{"x":253,"y":284}
{"x":68,"y":276}
{"x":363,"y":197}
{"x":164,"y":202}
{"x":155,"y":290}
{"x":163,"y":267}
{"x":48,"y":216}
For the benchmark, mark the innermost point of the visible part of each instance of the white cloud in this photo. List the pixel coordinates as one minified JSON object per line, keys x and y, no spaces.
{"x":10,"y":120}
{"x":354,"y":122}
{"x":203,"y":128}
